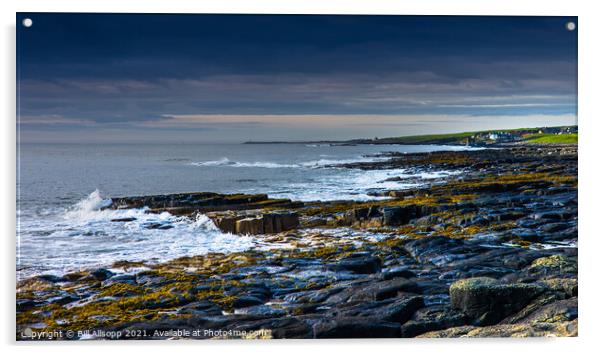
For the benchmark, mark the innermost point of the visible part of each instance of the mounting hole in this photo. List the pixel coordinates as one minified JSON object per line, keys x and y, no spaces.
{"x":571,"y":26}
{"x":27,"y":22}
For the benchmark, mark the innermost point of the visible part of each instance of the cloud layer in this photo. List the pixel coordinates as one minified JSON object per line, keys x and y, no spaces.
{"x":136,"y":73}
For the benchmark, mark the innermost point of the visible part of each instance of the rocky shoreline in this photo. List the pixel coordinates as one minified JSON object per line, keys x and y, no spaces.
{"x":489,"y":252}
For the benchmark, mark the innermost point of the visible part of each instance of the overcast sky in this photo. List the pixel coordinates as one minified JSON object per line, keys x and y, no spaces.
{"x":231,"y":78}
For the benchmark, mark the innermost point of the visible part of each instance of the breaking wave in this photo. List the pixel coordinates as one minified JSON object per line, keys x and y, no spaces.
{"x":86,"y":235}
{"x":266,"y":164}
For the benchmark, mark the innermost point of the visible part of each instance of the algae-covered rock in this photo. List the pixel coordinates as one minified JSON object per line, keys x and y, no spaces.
{"x":568,"y":286}
{"x":562,"y":329}
{"x":555,"y":312}
{"x":488,"y":301}
{"x":35,"y":284}
{"x":556,"y":261}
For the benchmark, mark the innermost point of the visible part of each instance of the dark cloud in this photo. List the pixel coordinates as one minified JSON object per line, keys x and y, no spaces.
{"x":125,"y":68}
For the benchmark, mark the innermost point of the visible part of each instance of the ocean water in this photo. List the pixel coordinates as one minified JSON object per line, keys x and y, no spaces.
{"x":61,"y":189}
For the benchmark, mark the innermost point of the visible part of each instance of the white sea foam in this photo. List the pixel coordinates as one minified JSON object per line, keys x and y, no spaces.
{"x":226,"y":162}
{"x":87,"y":207}
{"x":264,"y":164}
{"x":270,"y":164}
{"x":220,"y":162}
{"x":353,"y":184}
{"x":316,"y":145}
{"x":84,"y":236}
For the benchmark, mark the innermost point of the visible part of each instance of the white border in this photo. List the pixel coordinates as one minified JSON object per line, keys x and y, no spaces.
{"x":589,"y":191}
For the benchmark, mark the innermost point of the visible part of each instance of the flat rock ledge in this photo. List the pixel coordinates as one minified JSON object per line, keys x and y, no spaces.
{"x":201,"y":202}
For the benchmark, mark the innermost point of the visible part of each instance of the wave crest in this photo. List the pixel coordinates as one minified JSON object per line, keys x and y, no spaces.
{"x":88,"y":206}
{"x":267,"y":164}
{"x":220,"y":162}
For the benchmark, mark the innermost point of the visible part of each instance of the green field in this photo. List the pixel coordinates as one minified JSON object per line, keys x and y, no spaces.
{"x":425,"y":139}
{"x":523,"y":134}
{"x":552,"y":139}
{"x":527,"y":135}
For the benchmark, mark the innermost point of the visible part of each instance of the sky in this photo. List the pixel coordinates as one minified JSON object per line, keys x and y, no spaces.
{"x":167,"y":78}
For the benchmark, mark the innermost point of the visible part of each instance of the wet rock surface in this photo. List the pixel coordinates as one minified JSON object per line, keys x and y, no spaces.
{"x":255,"y":222}
{"x":489,"y":252}
{"x":187,"y":203}
{"x":489,"y":301}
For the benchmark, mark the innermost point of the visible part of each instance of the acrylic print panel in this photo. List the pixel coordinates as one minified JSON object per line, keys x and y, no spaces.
{"x":276,"y":176}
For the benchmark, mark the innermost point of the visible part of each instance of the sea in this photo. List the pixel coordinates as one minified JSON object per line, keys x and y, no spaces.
{"x":62,"y":188}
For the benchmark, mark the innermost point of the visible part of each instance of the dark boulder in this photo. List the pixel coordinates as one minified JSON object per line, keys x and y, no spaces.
{"x":439,"y":250}
{"x":201,"y":308}
{"x":102,"y":274}
{"x":50,"y":278}
{"x":246,"y":301}
{"x":63,"y":299}
{"x":360,"y":265}
{"x":356,"y":328}
{"x":383,"y":290}
{"x":279,"y":327}
{"x":397,"y":215}
{"x":123,"y":219}
{"x":433,"y":318}
{"x":554,"y":227}
{"x":120,"y":279}
{"x":397,"y":272}
{"x":158,"y":226}
{"x":313,"y":296}
{"x":26,"y":304}
{"x":526,"y":234}
{"x":391,"y":310}
{"x":563,"y":310}
{"x":488,"y":301}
